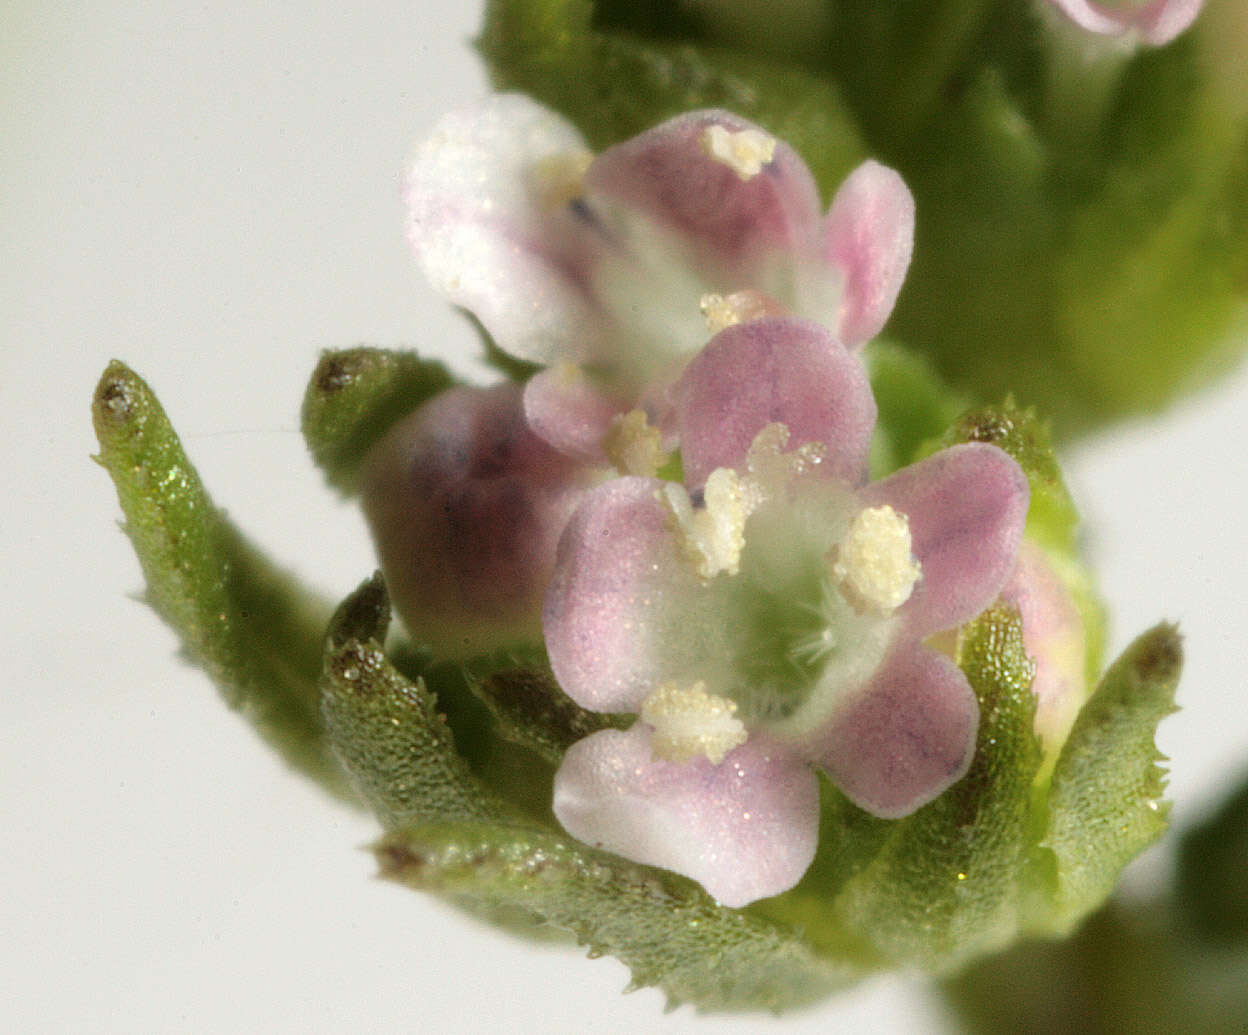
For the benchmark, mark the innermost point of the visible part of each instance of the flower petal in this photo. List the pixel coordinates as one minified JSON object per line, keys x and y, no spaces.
{"x":744,"y":829}
{"x":778,"y":369}
{"x":1157,"y":23}
{"x":625,"y":610}
{"x":869,"y":237}
{"x":466,"y":505}
{"x":486,"y":241}
{"x":567,"y":410}
{"x":966,"y":506}
{"x":905,"y":737}
{"x":737,"y":222}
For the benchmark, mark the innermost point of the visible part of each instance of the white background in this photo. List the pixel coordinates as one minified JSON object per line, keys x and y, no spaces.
{"x":212,"y":194}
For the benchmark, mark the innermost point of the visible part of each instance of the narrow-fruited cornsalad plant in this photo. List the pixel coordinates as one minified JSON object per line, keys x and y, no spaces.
{"x":732,"y":642}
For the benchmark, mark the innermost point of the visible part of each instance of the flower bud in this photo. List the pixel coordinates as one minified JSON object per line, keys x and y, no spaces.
{"x":1056,"y":640}
{"x":466,"y":504}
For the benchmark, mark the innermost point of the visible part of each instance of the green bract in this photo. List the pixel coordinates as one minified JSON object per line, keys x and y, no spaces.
{"x":456,"y":760}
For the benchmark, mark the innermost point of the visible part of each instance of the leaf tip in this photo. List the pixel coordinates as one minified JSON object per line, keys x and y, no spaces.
{"x":1157,"y":658}
{"x":118,"y":397}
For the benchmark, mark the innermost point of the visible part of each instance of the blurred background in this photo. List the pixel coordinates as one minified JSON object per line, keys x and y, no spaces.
{"x":211,"y":193}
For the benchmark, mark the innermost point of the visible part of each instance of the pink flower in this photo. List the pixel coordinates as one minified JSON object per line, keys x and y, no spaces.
{"x":767,"y":618}
{"x":622,"y":265}
{"x":466,"y":505}
{"x":1156,"y":22}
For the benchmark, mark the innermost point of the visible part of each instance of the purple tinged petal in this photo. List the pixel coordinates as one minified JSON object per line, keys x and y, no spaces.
{"x":905,"y":737}
{"x":485,"y":238}
{"x":1156,"y":23}
{"x":778,"y":369}
{"x":869,"y":238}
{"x":566,"y":409}
{"x":967,"y":506}
{"x":622,"y":614}
{"x":745,"y":829}
{"x":466,"y":506}
{"x":666,"y":174}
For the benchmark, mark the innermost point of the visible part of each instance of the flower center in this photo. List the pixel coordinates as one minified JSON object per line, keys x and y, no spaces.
{"x":689,"y":722}
{"x":872,"y":565}
{"x":745,"y":152}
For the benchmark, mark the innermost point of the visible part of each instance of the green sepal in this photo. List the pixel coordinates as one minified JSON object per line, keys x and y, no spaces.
{"x":355,"y":396}
{"x":386,"y":730}
{"x":1104,"y":804}
{"x":665,"y":928}
{"x":252,"y":628}
{"x":614,"y":84}
{"x":530,"y":708}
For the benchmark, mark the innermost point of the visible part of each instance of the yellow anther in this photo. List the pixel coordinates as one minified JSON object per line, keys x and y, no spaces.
{"x":634,"y":445}
{"x":745,"y":152}
{"x":689,"y":722}
{"x":873,"y":565}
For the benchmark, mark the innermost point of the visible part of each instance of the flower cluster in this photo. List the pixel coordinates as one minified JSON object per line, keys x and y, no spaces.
{"x":696,"y":445}
{"x":1155,"y":22}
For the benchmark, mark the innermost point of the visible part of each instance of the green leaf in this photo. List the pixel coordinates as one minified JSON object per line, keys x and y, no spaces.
{"x":1105,"y":802}
{"x":614,"y":84}
{"x":253,"y":629}
{"x":386,"y":730}
{"x":355,"y":396}
{"x":665,"y":928}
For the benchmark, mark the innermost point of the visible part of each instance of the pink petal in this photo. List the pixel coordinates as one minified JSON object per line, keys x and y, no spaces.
{"x":869,"y":237}
{"x":624,"y":612}
{"x":666,"y":174}
{"x":483,"y":237}
{"x":566,"y":409}
{"x":967,"y":506}
{"x":905,"y":737}
{"x":466,"y":506}
{"x":745,"y":829}
{"x":778,"y":369}
{"x":1157,"y":23}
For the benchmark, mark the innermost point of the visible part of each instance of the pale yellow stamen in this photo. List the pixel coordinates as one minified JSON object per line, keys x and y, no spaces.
{"x":560,"y":178}
{"x":712,"y":535}
{"x":745,"y":152}
{"x":873,"y":565}
{"x":689,"y":723}
{"x":723,"y":311}
{"x":634,"y":445}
